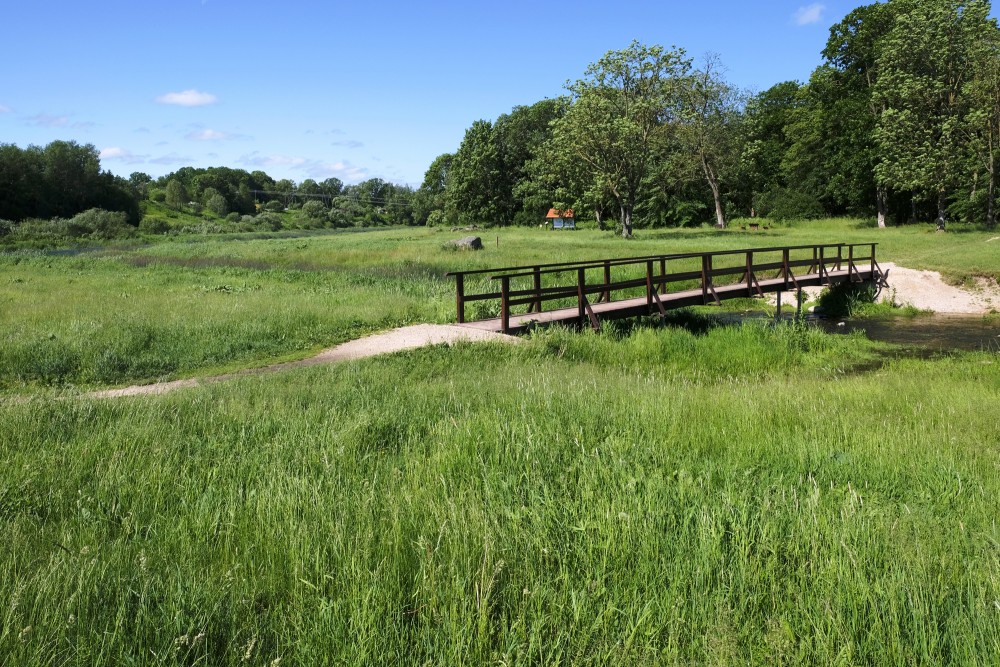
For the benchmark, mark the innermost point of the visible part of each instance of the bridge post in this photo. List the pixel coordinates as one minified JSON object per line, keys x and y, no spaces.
{"x":749,"y":273}
{"x":606,"y":295}
{"x":581,"y":297}
{"x":460,"y":296}
{"x":649,"y":283}
{"x":706,"y":269}
{"x":538,"y":289}
{"x":504,"y":304}
{"x":785,"y":269}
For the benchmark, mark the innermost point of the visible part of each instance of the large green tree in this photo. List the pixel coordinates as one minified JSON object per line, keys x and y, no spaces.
{"x":926,"y":61}
{"x":984,"y":118}
{"x":620,"y":118}
{"x":853,"y":54}
{"x":709,"y":126}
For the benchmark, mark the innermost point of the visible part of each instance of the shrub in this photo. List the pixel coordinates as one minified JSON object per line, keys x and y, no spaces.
{"x":274,"y":206}
{"x":271,"y":221}
{"x":218,"y":205}
{"x":99,"y":224}
{"x":153,"y":225}
{"x":437,"y":218}
{"x":314,"y":208}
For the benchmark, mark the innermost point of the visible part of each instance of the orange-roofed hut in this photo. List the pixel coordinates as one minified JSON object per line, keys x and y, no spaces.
{"x":561,"y":219}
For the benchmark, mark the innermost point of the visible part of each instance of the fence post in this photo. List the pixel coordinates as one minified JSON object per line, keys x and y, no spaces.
{"x":460,"y":296}
{"x":706,"y":268}
{"x":606,"y":295}
{"x":785,"y":269}
{"x":581,"y":281}
{"x":504,"y":305}
{"x":649,"y":283}
{"x":538,"y":289}
{"x":749,"y":273}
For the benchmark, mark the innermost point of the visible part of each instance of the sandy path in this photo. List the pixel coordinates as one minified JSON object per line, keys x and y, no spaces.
{"x":404,"y":338}
{"x":926,"y":290}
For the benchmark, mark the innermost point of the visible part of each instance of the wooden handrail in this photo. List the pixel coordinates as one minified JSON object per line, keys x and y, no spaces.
{"x":656,"y":283}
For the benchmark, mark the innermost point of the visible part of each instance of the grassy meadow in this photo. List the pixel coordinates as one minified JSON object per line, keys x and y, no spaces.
{"x":758,"y":495}
{"x":197,"y":305}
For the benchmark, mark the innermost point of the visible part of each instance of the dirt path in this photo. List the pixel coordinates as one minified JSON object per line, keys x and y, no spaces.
{"x":404,"y":338}
{"x":927,"y":291}
{"x":922,"y":289}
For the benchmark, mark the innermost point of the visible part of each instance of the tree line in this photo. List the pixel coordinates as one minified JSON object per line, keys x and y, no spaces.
{"x":60,"y":180}
{"x":900,"y":121}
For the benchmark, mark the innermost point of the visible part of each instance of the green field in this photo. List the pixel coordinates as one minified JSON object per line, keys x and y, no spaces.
{"x":201,"y":304}
{"x":744,"y":495}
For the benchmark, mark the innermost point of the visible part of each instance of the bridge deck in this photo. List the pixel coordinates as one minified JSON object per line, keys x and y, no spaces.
{"x":819,"y":265}
{"x":638,"y":306}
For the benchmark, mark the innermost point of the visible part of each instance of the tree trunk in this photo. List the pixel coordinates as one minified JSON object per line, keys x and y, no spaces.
{"x":626,"y":221}
{"x":991,"y":219}
{"x":882,"y":204}
{"x":940,"y":222}
{"x":713,"y":182}
{"x":599,"y":216}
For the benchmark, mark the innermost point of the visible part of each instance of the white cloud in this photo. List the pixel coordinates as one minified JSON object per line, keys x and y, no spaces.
{"x":45,"y":120}
{"x":207,"y":135}
{"x":5,"y":109}
{"x":188,"y":98}
{"x":809,"y":14}
{"x":256,"y":160}
{"x":345,"y":171}
{"x":350,"y":143}
{"x":121,"y":154}
{"x":172,"y":158}
{"x":316,"y":169}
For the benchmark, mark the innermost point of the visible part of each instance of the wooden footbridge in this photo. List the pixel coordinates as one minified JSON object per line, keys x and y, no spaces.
{"x":513,"y":299}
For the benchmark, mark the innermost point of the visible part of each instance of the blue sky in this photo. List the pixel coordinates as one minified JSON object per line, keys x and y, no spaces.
{"x":355,"y":90}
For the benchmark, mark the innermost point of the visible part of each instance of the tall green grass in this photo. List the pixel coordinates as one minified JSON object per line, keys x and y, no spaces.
{"x":745,"y":496}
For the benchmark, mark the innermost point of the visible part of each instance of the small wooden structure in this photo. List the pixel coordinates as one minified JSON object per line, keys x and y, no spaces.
{"x":589,"y":291}
{"x":561,"y":219}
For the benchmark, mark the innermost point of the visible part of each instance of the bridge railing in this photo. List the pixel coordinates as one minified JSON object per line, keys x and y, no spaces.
{"x":566,"y":283}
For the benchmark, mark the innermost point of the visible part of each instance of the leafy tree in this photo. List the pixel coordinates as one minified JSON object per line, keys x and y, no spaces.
{"x":709,"y":125}
{"x":430,"y":196}
{"x":475,"y":191}
{"x":764,"y":138}
{"x":217,"y":204}
{"x":853,"y":52}
{"x":620,"y":118}
{"x":177,"y":195}
{"x":314,"y":208}
{"x":926,"y":61}
{"x":984,"y":118}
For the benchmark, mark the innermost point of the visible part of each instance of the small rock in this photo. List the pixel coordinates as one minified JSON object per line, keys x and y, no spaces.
{"x":468,"y":243}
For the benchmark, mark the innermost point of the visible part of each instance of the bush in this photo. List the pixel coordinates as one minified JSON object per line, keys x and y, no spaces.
{"x":101,"y":224}
{"x":274,"y":206}
{"x":314,"y":208}
{"x":788,"y":204}
{"x":271,"y":221}
{"x":153,"y":225}
{"x":437,"y":218}
{"x":218,"y":205}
